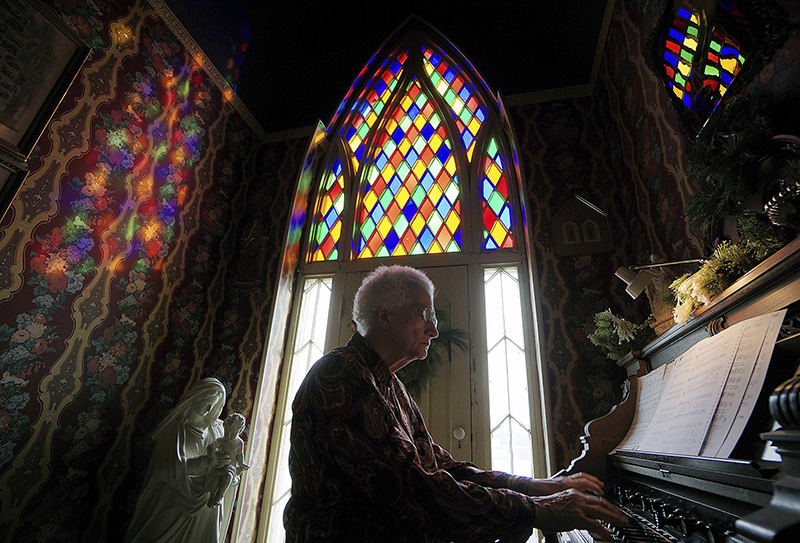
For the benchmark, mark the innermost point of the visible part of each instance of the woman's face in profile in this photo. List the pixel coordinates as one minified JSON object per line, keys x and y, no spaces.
{"x":205,"y":410}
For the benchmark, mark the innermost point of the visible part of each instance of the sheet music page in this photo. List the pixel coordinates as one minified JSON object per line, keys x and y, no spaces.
{"x":649,"y":388}
{"x":692,"y":389}
{"x":761,"y":332}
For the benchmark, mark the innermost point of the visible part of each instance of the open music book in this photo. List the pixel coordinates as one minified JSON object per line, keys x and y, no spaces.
{"x":704,"y":397}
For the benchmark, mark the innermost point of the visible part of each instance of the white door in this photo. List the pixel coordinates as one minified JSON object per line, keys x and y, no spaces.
{"x":445,"y":402}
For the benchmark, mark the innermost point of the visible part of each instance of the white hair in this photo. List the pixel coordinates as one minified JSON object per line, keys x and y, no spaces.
{"x":386,"y":288}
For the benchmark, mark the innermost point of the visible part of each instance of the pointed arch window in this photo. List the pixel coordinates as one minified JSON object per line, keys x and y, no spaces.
{"x":402,"y":158}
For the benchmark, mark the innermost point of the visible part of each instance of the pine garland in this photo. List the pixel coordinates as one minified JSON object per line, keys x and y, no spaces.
{"x":618,"y":336}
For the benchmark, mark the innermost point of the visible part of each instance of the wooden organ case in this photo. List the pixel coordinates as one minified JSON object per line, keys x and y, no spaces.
{"x":751,"y":496}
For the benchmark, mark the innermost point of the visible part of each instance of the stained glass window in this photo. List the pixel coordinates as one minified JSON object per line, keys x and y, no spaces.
{"x":458,"y":94}
{"x":328,"y":216}
{"x":495,"y":206}
{"x":700,"y":49}
{"x":410,"y":203}
{"x":407,"y":138}
{"x":367,"y":109}
{"x":723,"y":62}
{"x":681,"y":51}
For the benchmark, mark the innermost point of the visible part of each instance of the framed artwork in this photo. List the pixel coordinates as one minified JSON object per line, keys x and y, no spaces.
{"x":39,"y":58}
{"x":12,"y":171}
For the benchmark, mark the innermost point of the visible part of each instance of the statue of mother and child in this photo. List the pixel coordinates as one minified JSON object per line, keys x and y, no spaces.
{"x":196,"y":464}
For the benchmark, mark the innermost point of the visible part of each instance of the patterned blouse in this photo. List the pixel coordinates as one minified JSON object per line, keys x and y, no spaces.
{"x":364,"y":467}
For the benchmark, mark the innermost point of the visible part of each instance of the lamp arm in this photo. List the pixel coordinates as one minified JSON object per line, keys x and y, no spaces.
{"x":668,"y":264}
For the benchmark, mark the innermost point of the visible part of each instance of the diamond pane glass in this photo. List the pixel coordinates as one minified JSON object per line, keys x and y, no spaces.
{"x":509,"y":399}
{"x":327,"y":228}
{"x":495,"y":204}
{"x":680,"y":51}
{"x":459,"y":94}
{"x":308,"y":347}
{"x":367,"y":109}
{"x":410,"y":202}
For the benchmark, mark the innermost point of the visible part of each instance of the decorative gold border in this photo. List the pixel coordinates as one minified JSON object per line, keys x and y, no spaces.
{"x":208,"y":67}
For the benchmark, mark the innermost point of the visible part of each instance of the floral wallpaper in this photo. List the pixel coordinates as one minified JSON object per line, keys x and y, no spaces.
{"x":117,"y":287}
{"x":145,"y":250}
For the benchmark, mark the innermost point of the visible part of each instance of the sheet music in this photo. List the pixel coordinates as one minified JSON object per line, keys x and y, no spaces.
{"x":695,"y":382}
{"x":700,"y":402}
{"x":648,"y":388}
{"x":764,"y":334}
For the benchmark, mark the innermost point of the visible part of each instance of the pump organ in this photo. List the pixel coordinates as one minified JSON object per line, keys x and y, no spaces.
{"x":750,"y":497}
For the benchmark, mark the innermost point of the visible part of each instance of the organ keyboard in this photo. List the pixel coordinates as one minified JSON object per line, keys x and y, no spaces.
{"x":753,"y":496}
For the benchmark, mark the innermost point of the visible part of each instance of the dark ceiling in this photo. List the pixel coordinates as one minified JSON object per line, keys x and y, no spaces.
{"x":304,"y":55}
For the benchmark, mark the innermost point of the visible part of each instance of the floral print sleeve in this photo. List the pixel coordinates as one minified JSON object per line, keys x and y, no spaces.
{"x":364,"y":467}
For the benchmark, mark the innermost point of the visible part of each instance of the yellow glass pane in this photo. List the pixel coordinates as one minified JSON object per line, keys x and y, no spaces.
{"x":470,"y":150}
{"x":325,"y":205}
{"x":435,"y":193}
{"x":369,"y":200}
{"x":684,"y":68}
{"x":474,"y":125}
{"x":417,"y":223}
{"x":729,"y":64}
{"x":493,"y":173}
{"x":678,"y":92}
{"x":452,"y":221}
{"x":384,"y":226}
{"x":388,"y":170}
{"x":450,"y":165}
{"x":435,"y":142}
{"x":336,"y":231}
{"x":498,"y":232}
{"x":418,"y":169}
{"x":406,"y":102}
{"x":402,"y":197}
{"x":690,"y":42}
{"x":404,"y":146}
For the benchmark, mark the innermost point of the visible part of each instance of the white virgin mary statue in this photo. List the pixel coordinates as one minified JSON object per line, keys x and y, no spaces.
{"x":173,"y":506}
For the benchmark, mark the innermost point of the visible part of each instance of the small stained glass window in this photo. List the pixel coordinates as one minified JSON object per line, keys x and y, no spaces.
{"x":496,"y":208}
{"x":328,"y":216}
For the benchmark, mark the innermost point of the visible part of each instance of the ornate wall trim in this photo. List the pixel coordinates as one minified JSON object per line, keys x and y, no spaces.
{"x":213,"y":73}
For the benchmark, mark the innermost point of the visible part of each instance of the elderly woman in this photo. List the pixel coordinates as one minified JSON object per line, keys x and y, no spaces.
{"x":363,"y":465}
